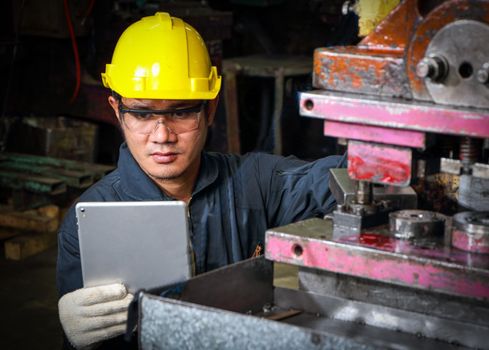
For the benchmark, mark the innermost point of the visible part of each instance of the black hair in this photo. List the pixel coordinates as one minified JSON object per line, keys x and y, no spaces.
{"x":116,"y":95}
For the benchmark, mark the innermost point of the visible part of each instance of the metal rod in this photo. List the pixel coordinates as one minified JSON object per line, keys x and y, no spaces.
{"x":364,"y":192}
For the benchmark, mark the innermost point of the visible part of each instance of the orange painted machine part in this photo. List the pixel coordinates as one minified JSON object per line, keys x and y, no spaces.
{"x":384,"y":63}
{"x":355,"y":69}
{"x":448,"y":12}
{"x":376,"y":65}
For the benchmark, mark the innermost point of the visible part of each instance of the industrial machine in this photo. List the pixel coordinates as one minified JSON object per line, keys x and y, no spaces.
{"x":403,"y":261}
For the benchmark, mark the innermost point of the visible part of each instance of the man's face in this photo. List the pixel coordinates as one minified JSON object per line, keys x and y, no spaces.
{"x":162,"y":154}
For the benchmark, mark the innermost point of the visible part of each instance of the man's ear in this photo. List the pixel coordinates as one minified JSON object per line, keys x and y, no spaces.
{"x":115,"y":106}
{"x":211,"y":110}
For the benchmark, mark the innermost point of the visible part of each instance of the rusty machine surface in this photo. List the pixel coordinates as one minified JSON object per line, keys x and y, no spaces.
{"x":403,"y":261}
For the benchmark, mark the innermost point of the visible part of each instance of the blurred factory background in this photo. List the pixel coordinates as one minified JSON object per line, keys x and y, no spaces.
{"x":56,"y":123}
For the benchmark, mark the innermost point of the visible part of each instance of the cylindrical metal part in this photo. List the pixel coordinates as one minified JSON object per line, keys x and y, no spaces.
{"x":411,"y":224}
{"x":471,"y":231}
{"x":434,"y":68}
{"x":463,"y":45}
{"x":364,"y":192}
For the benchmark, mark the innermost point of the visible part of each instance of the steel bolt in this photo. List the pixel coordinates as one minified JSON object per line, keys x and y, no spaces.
{"x":424,"y":69}
{"x":434,"y":68}
{"x":483,"y":74}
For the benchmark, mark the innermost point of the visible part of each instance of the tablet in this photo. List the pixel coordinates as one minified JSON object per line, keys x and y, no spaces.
{"x":140,"y":244}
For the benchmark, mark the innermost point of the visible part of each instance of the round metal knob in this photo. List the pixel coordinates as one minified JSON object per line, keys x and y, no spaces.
{"x":483,"y":74}
{"x":414,"y":224}
{"x":434,"y":68}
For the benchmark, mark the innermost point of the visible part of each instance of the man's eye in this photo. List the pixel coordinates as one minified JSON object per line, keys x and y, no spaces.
{"x":140,"y":116}
{"x":182,"y":114}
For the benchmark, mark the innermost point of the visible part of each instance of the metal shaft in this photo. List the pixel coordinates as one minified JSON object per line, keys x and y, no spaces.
{"x":364,"y":192}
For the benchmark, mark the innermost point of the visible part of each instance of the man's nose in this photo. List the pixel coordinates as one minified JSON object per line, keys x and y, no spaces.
{"x":162,"y":133}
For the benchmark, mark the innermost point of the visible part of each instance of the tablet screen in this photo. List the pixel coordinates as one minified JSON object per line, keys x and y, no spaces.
{"x":140,"y":244}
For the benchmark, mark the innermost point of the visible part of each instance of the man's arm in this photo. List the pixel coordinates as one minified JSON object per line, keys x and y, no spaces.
{"x":68,"y":267}
{"x":297,"y":190}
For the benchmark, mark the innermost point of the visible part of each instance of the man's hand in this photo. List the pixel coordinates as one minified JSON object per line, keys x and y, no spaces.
{"x":91,"y":315}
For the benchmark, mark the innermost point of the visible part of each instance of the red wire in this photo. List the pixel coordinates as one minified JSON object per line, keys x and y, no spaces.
{"x":89,"y":8}
{"x":75,"y":50}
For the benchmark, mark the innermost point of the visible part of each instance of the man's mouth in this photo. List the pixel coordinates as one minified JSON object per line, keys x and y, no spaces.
{"x":164,"y":157}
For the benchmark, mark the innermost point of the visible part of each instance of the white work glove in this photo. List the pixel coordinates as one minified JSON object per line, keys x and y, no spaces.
{"x":92,"y":315}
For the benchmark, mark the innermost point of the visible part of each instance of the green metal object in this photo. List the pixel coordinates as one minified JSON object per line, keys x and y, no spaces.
{"x":33,"y":183}
{"x":33,"y":180}
{"x":96,"y":170}
{"x":77,"y":179}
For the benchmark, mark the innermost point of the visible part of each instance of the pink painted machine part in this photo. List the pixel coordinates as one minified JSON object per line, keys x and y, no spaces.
{"x":387,"y":259}
{"x":380,"y":164}
{"x":470,"y":242}
{"x":407,"y":138}
{"x":392,"y":113}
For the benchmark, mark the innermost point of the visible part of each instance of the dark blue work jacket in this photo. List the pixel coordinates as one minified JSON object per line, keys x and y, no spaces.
{"x":235,"y":199}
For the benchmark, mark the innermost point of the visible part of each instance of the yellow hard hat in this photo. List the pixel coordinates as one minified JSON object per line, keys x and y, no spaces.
{"x":162,"y":57}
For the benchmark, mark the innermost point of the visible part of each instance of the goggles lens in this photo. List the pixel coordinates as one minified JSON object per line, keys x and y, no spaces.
{"x":146,"y":121}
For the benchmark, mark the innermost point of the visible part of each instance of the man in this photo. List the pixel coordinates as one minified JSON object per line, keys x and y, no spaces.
{"x":164,"y":94}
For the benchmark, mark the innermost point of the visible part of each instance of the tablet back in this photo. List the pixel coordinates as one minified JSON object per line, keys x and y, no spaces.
{"x":140,"y":244}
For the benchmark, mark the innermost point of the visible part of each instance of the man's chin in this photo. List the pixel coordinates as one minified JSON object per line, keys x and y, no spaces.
{"x":164,"y":171}
{"x":166,"y":175}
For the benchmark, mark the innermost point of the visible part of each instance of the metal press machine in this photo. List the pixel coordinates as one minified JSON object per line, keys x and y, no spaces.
{"x":403,"y":261}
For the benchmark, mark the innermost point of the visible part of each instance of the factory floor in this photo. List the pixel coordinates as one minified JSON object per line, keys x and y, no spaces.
{"x":29,"y":316}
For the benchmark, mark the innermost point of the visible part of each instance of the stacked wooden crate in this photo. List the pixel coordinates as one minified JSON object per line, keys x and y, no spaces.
{"x":38,"y":191}
{"x":28,"y":232}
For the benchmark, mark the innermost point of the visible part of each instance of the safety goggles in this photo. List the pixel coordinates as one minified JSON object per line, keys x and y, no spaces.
{"x":146,"y":121}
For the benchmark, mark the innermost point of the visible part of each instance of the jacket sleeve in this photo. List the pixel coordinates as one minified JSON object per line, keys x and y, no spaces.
{"x":297,"y":190}
{"x":68,"y":267}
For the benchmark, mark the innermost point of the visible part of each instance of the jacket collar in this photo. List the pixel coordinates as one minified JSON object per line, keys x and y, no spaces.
{"x":139,"y":186}
{"x":208,"y":173}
